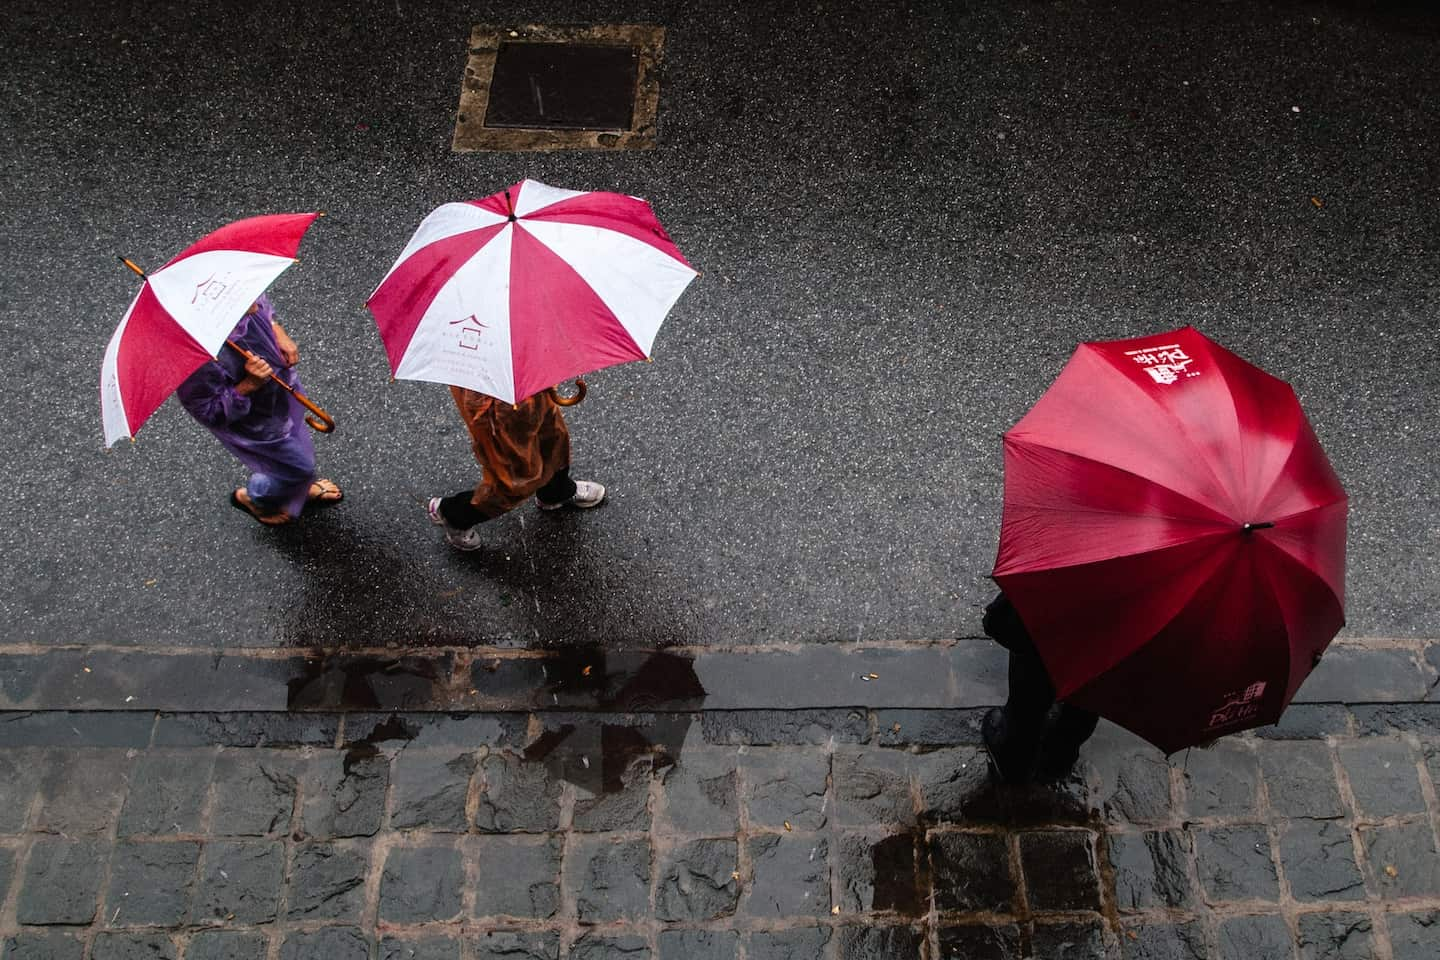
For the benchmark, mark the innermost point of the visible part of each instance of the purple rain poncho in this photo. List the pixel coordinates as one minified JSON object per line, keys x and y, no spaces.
{"x":265,"y":430}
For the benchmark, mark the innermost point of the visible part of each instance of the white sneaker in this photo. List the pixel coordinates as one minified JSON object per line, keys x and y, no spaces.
{"x":457,"y":538}
{"x":588,"y":494}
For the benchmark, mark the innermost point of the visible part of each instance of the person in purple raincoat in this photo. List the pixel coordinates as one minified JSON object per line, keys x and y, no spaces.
{"x":258,"y":421}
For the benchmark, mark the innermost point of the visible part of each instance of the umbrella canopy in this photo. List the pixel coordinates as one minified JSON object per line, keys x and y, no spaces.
{"x":517,"y":292}
{"x":1173,"y":537}
{"x":185,"y":310}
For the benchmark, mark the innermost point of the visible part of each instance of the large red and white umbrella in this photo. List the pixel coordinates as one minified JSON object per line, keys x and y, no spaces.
{"x":515,"y":293}
{"x":185,"y":310}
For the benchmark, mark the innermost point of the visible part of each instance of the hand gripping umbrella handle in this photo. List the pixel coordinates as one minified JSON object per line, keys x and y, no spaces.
{"x":580,"y":389}
{"x":322,"y":421}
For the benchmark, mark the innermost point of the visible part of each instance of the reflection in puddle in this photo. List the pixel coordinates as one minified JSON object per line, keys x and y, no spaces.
{"x":366,"y":683}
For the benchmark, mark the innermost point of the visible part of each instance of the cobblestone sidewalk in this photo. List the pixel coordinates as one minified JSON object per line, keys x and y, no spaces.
{"x":756,"y":835}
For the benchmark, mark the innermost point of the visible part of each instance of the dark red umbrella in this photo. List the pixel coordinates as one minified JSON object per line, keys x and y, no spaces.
{"x":1173,"y":537}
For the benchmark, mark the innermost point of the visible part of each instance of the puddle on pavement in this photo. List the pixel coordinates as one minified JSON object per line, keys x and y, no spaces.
{"x":897,"y":881}
{"x":366,"y":683}
{"x":629,"y":681}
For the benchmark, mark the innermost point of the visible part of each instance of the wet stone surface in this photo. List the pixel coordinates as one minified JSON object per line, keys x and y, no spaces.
{"x":151,"y":883}
{"x":689,"y":849}
{"x":1300,"y":779}
{"x":1383,"y":778}
{"x":421,"y":885}
{"x":327,"y":881}
{"x":518,"y":876}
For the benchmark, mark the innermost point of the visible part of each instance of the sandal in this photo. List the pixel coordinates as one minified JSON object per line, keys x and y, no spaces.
{"x":324,"y":491}
{"x":240,"y":500}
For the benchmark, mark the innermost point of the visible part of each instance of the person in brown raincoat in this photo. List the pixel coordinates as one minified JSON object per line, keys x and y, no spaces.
{"x":524,"y":451}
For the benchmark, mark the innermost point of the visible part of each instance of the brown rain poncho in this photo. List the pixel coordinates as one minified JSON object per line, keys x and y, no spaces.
{"x":520,"y":447}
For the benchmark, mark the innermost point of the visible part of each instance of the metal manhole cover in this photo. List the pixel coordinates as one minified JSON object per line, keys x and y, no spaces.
{"x":560,"y":88}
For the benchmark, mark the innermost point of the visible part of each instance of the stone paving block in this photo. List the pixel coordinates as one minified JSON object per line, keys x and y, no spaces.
{"x":344,"y":795}
{"x":929,"y":728}
{"x":61,"y":882}
{"x":1308,"y":721}
{"x":997,"y":942}
{"x":167,"y":793}
{"x":971,"y":871}
{"x":514,"y":945}
{"x":1387,"y":719}
{"x":608,"y":879}
{"x":980,"y":667}
{"x":1246,"y":938}
{"x":1130,"y":785}
{"x":698,"y":944}
{"x":790,"y":876}
{"x":1336,"y":936}
{"x":1318,"y":857}
{"x":1161,"y":940}
{"x":700,"y":795}
{"x":880,"y":943}
{"x":329,"y":943}
{"x":1221,"y":781}
{"x":1415,"y":936}
{"x":226,"y":945}
{"x":240,"y":881}
{"x":43,"y":946}
{"x":697,"y":881}
{"x":247,"y":730}
{"x":1300,"y":779}
{"x":421,"y":885}
{"x":949,"y":780}
{"x":1070,"y":940}
{"x":609,"y":946}
{"x":429,"y":791}
{"x":1366,"y":674}
{"x":82,"y":792}
{"x":518,"y":796}
{"x":803,"y":943}
{"x":19,"y":780}
{"x":132,"y":946}
{"x":880,"y":874}
{"x":253,"y":793}
{"x":425,"y":731}
{"x":625,"y":809}
{"x":784,"y":727}
{"x":1151,"y":869}
{"x":786,"y":786}
{"x":419,"y":948}
{"x":327,"y":881}
{"x":1234,"y":863}
{"x":1384,"y":777}
{"x":873,"y":786}
{"x":75,"y":730}
{"x":1060,"y":870}
{"x":150,"y":883}
{"x":1401,"y":860}
{"x":518,"y":876}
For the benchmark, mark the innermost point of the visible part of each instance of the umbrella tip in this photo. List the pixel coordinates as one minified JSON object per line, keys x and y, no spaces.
{"x":1252,"y":527}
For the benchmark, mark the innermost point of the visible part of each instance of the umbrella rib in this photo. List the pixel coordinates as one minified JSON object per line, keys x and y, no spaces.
{"x":1011,"y":438}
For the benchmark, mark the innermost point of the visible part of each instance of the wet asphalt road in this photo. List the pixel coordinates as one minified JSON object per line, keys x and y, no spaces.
{"x":906,"y":216}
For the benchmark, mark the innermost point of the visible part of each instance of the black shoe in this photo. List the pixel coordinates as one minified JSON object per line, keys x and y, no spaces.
{"x":1007,"y":767}
{"x":1056,"y":763}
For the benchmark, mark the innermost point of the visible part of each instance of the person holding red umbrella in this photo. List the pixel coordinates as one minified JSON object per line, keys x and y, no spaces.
{"x":523,"y":450}
{"x":236,"y":397}
{"x":1022,"y":740}
{"x":1173,"y":542}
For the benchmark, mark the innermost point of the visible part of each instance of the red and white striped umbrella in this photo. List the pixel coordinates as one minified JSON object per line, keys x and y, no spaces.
{"x":185,"y":310}
{"x":524,"y":289}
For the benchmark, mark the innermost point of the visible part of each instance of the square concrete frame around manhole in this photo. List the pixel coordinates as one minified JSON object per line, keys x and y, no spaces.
{"x":471,"y":133}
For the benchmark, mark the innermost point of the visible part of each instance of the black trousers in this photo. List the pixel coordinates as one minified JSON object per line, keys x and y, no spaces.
{"x":461,"y":514}
{"x":1031,"y":696}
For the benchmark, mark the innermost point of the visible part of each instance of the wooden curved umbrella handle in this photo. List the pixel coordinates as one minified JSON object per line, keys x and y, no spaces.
{"x":580,"y":391}
{"x":321,"y":422}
